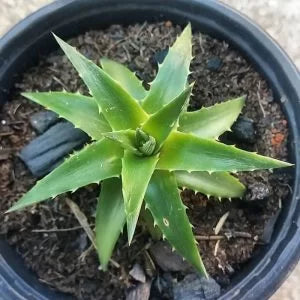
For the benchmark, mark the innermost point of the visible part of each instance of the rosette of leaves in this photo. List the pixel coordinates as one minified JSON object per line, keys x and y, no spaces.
{"x":144,"y":146}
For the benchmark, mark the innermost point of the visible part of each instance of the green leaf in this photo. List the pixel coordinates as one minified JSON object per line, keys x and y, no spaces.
{"x":211,"y":122}
{"x":147,"y":220}
{"x":125,"y":138}
{"x":218,"y":184}
{"x":136,"y":174}
{"x":110,"y":219}
{"x":82,"y":111}
{"x":160,"y":124}
{"x":186,"y":152}
{"x":172,"y":75}
{"x":118,"y":107}
{"x":163,"y":200}
{"x":97,"y":161}
{"x":125,"y":77}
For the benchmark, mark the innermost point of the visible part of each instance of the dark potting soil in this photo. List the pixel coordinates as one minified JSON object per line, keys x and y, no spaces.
{"x":48,"y":237}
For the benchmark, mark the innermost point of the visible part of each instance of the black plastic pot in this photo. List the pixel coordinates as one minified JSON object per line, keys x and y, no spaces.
{"x":22,"y":46}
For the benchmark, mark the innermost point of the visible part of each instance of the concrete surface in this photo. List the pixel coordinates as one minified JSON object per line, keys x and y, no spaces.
{"x":281,"y":19}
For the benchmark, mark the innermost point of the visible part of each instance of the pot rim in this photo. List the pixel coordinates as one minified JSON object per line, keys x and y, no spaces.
{"x":263,"y":278}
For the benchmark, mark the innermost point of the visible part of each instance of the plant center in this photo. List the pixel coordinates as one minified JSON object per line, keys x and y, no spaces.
{"x":145,"y":143}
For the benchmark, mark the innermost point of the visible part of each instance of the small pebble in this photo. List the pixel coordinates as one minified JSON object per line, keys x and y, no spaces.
{"x":81,"y":242}
{"x":257,"y":191}
{"x":243,"y":130}
{"x":168,"y":24}
{"x":214,"y":64}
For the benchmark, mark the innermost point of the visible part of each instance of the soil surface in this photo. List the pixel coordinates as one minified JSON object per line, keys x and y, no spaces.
{"x":48,"y":236}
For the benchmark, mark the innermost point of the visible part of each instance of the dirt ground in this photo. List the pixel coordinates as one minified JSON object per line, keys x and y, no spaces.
{"x":279,"y":18}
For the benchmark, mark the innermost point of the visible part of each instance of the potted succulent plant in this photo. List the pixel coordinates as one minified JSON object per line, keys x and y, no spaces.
{"x":145,"y":144}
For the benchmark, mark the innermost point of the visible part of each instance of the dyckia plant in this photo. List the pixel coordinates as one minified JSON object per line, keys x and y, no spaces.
{"x":145,"y":145}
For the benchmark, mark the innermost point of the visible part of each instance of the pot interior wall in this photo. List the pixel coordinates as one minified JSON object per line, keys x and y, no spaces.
{"x":32,"y":38}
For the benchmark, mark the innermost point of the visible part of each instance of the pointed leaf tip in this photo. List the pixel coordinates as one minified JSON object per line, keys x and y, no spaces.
{"x":110,"y":219}
{"x":211,"y":122}
{"x":141,"y":169}
{"x":208,"y":155}
{"x":75,"y":108}
{"x":168,"y":211}
{"x":131,"y":220}
{"x":172,"y":75}
{"x":164,"y":121}
{"x":68,"y":176}
{"x":125,"y":77}
{"x":118,"y":107}
{"x":218,"y":184}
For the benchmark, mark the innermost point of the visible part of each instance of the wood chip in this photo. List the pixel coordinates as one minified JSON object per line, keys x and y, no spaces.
{"x":209,"y":237}
{"x":82,"y":219}
{"x":7,"y":133}
{"x":221,"y":223}
{"x":216,"y":248}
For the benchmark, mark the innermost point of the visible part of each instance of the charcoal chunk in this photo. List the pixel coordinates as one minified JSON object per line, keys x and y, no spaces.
{"x":214,"y":64}
{"x":243,"y":130}
{"x":81,"y":242}
{"x":46,"y":152}
{"x":193,"y":287}
{"x":42,"y":120}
